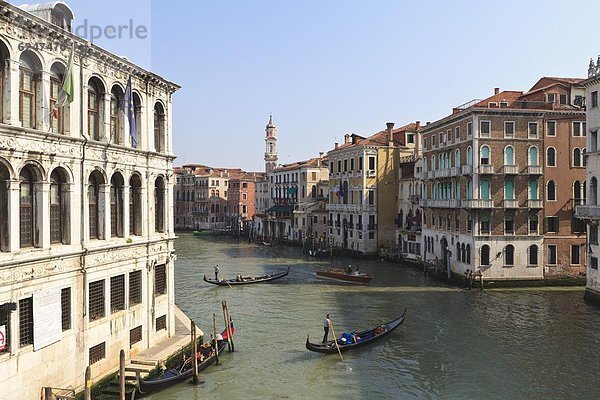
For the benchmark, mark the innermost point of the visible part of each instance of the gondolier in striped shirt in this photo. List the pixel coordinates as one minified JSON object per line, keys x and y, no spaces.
{"x":326,"y":326}
{"x":217,"y":272}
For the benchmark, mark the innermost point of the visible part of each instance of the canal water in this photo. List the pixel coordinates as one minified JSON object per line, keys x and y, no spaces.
{"x":455,"y":344}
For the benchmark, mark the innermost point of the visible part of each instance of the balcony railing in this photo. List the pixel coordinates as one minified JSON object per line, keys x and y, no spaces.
{"x":511,"y":203}
{"x":414,"y":199}
{"x":442,"y":173}
{"x":534,"y":169}
{"x":535,"y":203}
{"x":430,"y":174}
{"x":486,"y":169}
{"x":454,"y":171}
{"x":510,"y":170}
{"x":587,"y":212}
{"x":477,"y":203}
{"x":467,"y":169}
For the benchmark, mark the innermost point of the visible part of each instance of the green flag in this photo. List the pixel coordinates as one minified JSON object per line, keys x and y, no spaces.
{"x":66,"y":91}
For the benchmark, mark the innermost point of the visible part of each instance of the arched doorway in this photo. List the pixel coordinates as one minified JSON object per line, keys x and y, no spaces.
{"x":445,"y":255}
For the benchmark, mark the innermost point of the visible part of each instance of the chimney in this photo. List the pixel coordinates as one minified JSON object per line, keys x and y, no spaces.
{"x":346,"y":138}
{"x":390,"y":135}
{"x":496,"y":90}
{"x":336,"y":145}
{"x":320,"y":158}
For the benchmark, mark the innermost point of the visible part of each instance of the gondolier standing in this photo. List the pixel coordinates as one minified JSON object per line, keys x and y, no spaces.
{"x":326,"y":326}
{"x":217,"y":272}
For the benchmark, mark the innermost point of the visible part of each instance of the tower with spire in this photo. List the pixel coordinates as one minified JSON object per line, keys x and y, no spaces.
{"x":271,"y":146}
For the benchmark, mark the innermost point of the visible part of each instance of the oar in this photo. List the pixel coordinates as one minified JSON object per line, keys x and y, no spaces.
{"x":338,"y":347}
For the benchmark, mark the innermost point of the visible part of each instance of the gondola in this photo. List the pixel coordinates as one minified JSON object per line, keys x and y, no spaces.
{"x":246,"y":280}
{"x":185,"y":370}
{"x":339,"y":274}
{"x":362,"y":338}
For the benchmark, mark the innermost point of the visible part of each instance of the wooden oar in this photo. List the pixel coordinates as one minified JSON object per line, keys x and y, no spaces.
{"x":338,"y":347}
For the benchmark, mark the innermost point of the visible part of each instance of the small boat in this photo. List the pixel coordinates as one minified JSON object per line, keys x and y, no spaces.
{"x":318,"y":253}
{"x":184,"y":371}
{"x":349,"y":341}
{"x":340,"y":274}
{"x":246,"y":280}
{"x":201,"y":233}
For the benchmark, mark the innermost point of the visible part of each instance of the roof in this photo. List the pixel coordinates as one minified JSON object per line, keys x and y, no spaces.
{"x":380,"y":138}
{"x":313,"y":162}
{"x":31,"y":8}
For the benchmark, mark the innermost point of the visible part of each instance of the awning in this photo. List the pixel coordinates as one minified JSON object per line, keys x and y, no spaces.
{"x":280,"y":209}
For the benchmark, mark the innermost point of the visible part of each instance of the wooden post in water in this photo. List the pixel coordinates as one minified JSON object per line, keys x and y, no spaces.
{"x":122,"y":374}
{"x":229,"y":331}
{"x":195,"y":355}
{"x":87,"y":391}
{"x":225,"y":318}
{"x":215,"y":339}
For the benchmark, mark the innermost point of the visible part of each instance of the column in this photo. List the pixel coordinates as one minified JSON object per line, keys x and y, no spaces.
{"x":105,"y":119}
{"x":14,"y":207}
{"x":104,"y":212}
{"x":126,"y":211}
{"x":168,"y":206}
{"x":42,"y":213}
{"x":43,"y":102}
{"x":11,"y":93}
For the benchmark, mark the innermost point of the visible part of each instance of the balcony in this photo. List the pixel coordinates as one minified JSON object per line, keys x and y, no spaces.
{"x":372,"y":227}
{"x":587,"y":212}
{"x":535,"y":203}
{"x":534,"y":169}
{"x":430,"y":174}
{"x":371,"y":173}
{"x":511,"y":203}
{"x":467,"y":169}
{"x":477,"y":203}
{"x":486,"y":169}
{"x":510,"y":170}
{"x":454,"y":171}
{"x":414,"y":199}
{"x":442,"y":173}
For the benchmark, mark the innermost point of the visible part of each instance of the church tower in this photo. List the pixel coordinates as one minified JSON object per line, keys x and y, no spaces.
{"x":271,"y":146}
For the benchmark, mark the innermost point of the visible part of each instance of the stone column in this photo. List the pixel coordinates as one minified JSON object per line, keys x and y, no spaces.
{"x":43,"y":102}
{"x":126,"y":211}
{"x":105,"y":119}
{"x":104,"y":212}
{"x":14,"y":204}
{"x":142,"y":131}
{"x":11,"y":93}
{"x":168,"y":220}
{"x":42,"y":214}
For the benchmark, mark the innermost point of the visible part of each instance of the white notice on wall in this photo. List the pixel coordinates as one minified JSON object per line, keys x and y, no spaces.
{"x":47,"y":318}
{"x":3,"y":343}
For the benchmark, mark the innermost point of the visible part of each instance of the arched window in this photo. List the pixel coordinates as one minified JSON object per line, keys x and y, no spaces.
{"x":469,"y":155}
{"x":533,"y":224}
{"x":345,"y":186}
{"x":159,"y":205}
{"x":469,"y":189}
{"x":533,"y":156}
{"x":95,"y":108}
{"x":457,"y":255}
{"x":116,"y":205}
{"x":551,"y":157}
{"x":551,"y":191}
{"x":94,"y":200}
{"x":485,"y":255}
{"x":116,"y":126}
{"x":28,"y":207}
{"x":577,"y":192}
{"x":59,"y":207}
{"x":509,"y":189}
{"x":509,"y":155}
{"x":433,"y":166}
{"x":29,"y":75}
{"x":137,"y":107}
{"x":424,"y":164}
{"x":159,"y":128}
{"x":463,"y":253}
{"x":217,"y":194}
{"x":135,"y":205}
{"x":4,"y":55}
{"x":584,"y":193}
{"x":484,"y":189}
{"x":532,"y":192}
{"x":593,"y":192}
{"x":313,"y":191}
{"x":457,"y":158}
{"x":584,"y":157}
{"x":57,"y":114}
{"x":576,"y":157}
{"x":484,"y":155}
{"x":509,"y":255}
{"x":532,"y":255}
{"x":468,"y":254}
{"x":4,"y":210}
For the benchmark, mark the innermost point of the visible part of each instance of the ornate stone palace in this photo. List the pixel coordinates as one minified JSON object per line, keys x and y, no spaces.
{"x":86,"y":218}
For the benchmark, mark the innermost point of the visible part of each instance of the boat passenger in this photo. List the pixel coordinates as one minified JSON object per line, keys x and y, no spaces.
{"x":379,"y":330}
{"x":349,"y":270}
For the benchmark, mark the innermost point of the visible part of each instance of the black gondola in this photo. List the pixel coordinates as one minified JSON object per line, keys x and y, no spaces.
{"x":362,"y":338}
{"x":246,"y":280}
{"x":185,"y":370}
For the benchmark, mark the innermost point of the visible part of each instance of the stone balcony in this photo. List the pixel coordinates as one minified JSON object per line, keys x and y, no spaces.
{"x":486,"y":169}
{"x":534,"y":169}
{"x":467,"y":169}
{"x":587,"y":212}
{"x":510,"y":170}
{"x":535,"y":203}
{"x":477,"y":203}
{"x":511,"y":203}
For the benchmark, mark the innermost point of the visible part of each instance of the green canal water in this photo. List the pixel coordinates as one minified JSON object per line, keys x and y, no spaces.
{"x":455,"y":344}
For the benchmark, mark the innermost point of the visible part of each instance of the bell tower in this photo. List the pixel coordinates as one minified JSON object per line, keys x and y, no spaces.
{"x":271,"y":146}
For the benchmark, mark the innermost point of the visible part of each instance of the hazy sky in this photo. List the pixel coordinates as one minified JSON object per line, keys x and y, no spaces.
{"x":325,"y":68}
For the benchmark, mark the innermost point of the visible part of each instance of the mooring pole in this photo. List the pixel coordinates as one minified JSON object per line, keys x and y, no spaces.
{"x":122,"y":373}
{"x":195,"y":347}
{"x":229,"y":330}
{"x":215,"y":338}
{"x":87,"y":392}
{"x":225,"y":318}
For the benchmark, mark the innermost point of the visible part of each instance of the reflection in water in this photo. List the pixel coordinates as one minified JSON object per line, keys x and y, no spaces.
{"x":455,"y":344}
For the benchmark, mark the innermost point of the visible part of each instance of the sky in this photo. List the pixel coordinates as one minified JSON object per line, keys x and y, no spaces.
{"x":326,"y":68}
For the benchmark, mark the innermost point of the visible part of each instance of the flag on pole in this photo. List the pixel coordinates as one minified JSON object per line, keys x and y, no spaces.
{"x":66,"y":90}
{"x":128,"y":109}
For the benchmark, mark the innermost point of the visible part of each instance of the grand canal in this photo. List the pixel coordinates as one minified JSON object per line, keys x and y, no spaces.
{"x":455,"y":343}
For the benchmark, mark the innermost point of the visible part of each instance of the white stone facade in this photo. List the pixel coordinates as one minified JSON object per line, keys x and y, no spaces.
{"x":86,"y":231}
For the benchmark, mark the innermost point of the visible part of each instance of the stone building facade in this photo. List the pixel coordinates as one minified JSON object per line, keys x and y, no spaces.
{"x":241,"y":201}
{"x":491,"y":195}
{"x":409,"y":218}
{"x":86,"y":231}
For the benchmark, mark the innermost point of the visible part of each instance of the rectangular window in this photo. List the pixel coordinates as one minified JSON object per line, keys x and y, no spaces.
{"x":594,"y":99}
{"x":432,"y":141}
{"x":346,"y":165}
{"x":484,"y":225}
{"x":532,"y":129}
{"x":593,"y":236}
{"x":65,"y":306}
{"x":135,"y":336}
{"x":469,"y":129}
{"x":457,"y":132}
{"x":594,"y":263}
{"x":551,"y":128}
{"x":551,"y":97}
{"x":551,"y":224}
{"x":26,"y":321}
{"x":161,"y":323}
{"x":563,"y":99}
{"x":575,"y":254}
{"x":579,"y":128}
{"x":371,"y":163}
{"x":371,"y":198}
{"x":97,"y":353}
{"x":485,"y":128}
{"x":330,"y":170}
{"x":360,"y":163}
{"x":117,"y":293}
{"x":160,"y":280}
{"x":551,"y":254}
{"x":410,"y":138}
{"x":424,"y":143}
{"x":509,"y":129}
{"x":314,"y":174}
{"x":339,"y":166}
{"x":96,"y":300}
{"x":509,"y":225}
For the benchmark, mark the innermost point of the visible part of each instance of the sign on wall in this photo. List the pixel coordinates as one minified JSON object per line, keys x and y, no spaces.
{"x":47,"y":318}
{"x":3,"y":343}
